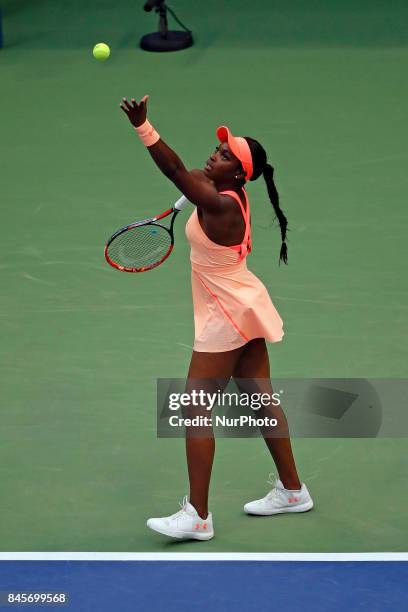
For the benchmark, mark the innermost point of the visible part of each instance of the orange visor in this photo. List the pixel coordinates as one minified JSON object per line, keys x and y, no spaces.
{"x":239,"y":147}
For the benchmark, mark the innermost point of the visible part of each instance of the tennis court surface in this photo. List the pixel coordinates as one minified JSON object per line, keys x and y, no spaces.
{"x":82,"y":345}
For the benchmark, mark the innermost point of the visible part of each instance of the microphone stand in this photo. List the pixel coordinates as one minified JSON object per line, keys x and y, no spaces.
{"x":163,"y":29}
{"x":165,"y":39}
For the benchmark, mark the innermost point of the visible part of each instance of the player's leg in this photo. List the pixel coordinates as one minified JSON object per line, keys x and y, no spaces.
{"x":288,"y":494}
{"x":253,"y":363}
{"x":209,"y":372}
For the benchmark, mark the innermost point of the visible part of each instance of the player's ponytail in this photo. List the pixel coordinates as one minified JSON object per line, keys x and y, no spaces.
{"x":261,"y":166}
{"x":274,"y":198}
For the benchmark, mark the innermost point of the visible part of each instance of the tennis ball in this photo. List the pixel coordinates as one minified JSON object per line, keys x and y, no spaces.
{"x":101,"y":51}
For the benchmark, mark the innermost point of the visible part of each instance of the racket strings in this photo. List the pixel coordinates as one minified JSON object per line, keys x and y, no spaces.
{"x":140,"y":247}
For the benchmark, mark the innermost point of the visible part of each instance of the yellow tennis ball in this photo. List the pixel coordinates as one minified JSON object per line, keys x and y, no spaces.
{"x":101,"y":51}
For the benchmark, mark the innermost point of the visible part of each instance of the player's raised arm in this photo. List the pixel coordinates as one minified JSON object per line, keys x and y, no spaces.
{"x":199,"y":192}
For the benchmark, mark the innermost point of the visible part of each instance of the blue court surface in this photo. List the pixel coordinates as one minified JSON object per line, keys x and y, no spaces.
{"x":214,"y":585}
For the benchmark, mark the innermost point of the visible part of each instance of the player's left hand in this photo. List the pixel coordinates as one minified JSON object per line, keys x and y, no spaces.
{"x":136,"y":112}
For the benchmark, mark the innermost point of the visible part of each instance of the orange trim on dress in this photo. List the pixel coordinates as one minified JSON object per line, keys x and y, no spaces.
{"x":245,"y":247}
{"x":224,"y":310}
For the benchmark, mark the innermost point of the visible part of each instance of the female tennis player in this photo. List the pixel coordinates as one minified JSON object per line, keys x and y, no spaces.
{"x":233,"y":313}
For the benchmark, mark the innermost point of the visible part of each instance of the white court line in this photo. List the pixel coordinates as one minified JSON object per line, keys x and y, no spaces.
{"x":146,"y":556}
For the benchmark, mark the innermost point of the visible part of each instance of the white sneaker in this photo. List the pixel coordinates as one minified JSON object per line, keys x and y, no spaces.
{"x":280,"y":500}
{"x":186,"y":524}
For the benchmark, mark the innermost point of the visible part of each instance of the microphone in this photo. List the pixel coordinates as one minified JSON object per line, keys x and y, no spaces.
{"x":164,"y":39}
{"x":151,"y":4}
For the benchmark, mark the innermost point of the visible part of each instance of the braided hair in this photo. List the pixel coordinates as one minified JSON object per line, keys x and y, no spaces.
{"x":261,"y":166}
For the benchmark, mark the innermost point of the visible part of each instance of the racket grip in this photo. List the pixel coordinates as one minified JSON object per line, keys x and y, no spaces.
{"x":181,"y":203}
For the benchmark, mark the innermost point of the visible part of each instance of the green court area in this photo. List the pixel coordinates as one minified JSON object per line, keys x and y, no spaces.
{"x":324,"y":89}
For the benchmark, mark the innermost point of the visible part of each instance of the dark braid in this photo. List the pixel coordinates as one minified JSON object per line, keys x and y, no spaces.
{"x":262,"y":167}
{"x":274,"y":198}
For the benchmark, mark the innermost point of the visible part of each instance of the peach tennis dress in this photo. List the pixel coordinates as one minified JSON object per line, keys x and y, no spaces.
{"x":231,"y":305}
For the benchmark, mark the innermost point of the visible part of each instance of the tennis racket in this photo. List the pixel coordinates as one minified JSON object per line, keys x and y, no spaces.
{"x":143,"y":245}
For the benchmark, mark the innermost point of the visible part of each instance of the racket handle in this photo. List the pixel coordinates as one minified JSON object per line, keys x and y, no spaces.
{"x":181,"y":203}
